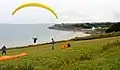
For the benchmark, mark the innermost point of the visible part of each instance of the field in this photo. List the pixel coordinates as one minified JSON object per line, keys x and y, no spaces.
{"x":97,"y":54}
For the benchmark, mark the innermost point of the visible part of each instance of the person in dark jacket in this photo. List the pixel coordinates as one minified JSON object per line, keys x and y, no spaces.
{"x":53,"y":44}
{"x":35,"y":39}
{"x":3,"y":50}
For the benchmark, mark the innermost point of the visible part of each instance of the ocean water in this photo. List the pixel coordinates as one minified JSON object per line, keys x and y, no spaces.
{"x":16,"y":35}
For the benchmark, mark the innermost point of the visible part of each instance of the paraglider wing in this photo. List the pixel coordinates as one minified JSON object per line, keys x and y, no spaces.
{"x":35,"y":5}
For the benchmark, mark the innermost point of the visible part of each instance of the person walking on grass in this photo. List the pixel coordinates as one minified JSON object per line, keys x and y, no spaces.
{"x":3,"y":50}
{"x":53,"y":44}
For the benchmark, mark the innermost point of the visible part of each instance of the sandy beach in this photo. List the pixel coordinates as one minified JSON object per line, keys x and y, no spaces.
{"x":78,"y":34}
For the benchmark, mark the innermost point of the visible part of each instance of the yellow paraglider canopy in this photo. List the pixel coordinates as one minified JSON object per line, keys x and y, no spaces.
{"x":35,"y":5}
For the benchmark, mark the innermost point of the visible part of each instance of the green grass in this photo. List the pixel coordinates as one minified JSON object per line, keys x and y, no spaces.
{"x":98,"y":54}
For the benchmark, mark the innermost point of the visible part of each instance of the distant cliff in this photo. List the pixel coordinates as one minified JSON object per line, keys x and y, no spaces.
{"x":82,"y":26}
{"x":114,"y":28}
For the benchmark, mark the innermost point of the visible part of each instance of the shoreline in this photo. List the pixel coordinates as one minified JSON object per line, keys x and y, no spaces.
{"x":90,"y":37}
{"x":70,"y":35}
{"x":23,"y":36}
{"x":79,"y":34}
{"x":87,"y":28}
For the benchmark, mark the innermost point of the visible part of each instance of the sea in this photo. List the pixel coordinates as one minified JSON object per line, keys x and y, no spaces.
{"x":17,"y":35}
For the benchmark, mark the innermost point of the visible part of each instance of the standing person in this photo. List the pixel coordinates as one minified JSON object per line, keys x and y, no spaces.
{"x":53,"y":44}
{"x":34,"y":39}
{"x":4,"y":50}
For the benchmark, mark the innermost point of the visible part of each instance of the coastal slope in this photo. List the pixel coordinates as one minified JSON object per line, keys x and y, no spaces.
{"x":94,"y":54}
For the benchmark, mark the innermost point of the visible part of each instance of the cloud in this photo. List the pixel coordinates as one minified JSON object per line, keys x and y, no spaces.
{"x":117,"y":15}
{"x":67,"y":10}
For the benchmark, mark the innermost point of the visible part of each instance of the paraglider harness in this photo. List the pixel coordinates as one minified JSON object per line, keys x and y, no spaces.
{"x":68,"y":45}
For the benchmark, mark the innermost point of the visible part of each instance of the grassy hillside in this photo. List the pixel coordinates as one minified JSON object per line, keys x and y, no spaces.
{"x":98,"y":54}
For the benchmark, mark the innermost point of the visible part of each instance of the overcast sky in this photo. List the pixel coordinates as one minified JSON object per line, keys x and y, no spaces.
{"x":67,"y":10}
